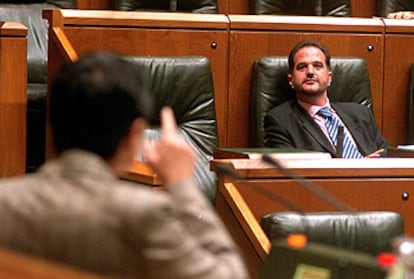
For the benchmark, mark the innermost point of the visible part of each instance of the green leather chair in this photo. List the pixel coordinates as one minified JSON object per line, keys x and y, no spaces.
{"x":411,"y":107}
{"x":385,"y":7}
{"x":195,"y":6}
{"x":270,"y":87}
{"x":185,"y":83}
{"x":370,"y":232}
{"x":302,"y":7}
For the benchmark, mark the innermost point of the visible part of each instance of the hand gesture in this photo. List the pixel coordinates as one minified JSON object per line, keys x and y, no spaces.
{"x":171,"y":158}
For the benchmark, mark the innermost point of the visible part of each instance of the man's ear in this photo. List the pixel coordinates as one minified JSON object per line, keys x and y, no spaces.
{"x":330,"y":78}
{"x":289,"y":76}
{"x":136,"y":132}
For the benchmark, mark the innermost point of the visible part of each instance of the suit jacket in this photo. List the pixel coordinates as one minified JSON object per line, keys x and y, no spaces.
{"x":76,"y":211}
{"x":290,"y":126}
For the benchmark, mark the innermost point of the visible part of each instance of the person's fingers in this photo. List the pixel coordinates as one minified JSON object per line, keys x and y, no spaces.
{"x":169,"y":126}
{"x":149,"y":151}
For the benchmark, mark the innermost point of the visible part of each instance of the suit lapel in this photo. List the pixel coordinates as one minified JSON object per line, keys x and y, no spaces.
{"x":313,"y":129}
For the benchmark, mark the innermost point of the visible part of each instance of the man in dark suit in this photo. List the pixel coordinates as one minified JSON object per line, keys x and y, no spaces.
{"x":345,"y":130}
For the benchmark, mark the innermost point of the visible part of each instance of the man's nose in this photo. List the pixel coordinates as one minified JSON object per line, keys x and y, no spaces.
{"x":309,"y":70}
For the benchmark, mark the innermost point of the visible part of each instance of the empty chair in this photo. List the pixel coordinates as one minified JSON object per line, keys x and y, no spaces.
{"x":185,"y":83}
{"x":371,"y":232}
{"x":302,"y":7}
{"x":270,"y":87}
{"x":195,"y":6}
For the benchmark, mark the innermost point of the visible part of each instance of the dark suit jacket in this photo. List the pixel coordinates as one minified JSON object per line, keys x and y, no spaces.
{"x":290,"y":126}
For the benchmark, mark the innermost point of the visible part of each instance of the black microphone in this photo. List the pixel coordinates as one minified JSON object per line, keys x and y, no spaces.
{"x":224,"y":169}
{"x":308,"y":185}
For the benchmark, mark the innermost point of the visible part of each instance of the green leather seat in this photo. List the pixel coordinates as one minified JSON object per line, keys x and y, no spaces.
{"x":302,"y":7}
{"x":385,"y":7}
{"x":185,"y":83}
{"x":195,"y":6}
{"x":411,"y":107}
{"x":371,"y":232}
{"x":270,"y":87}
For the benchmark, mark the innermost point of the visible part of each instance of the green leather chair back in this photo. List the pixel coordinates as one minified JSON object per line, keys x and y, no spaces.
{"x":195,"y":6}
{"x":411,"y":107}
{"x":302,"y":7}
{"x":385,"y":7}
{"x":185,"y":83}
{"x":370,"y":231}
{"x":270,"y":87}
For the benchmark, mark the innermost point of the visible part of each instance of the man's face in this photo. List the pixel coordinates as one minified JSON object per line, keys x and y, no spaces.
{"x":310,"y":76}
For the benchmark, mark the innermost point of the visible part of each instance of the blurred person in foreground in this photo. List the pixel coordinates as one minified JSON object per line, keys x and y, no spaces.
{"x":74,"y":209}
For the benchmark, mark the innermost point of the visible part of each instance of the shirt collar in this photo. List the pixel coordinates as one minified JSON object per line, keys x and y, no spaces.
{"x":313,"y":109}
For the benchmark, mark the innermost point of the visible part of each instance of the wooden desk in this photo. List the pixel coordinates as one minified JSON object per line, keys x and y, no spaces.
{"x":364,"y":184}
{"x":252,"y":37}
{"x":13,"y":98}
{"x":16,"y":265}
{"x":141,"y":172}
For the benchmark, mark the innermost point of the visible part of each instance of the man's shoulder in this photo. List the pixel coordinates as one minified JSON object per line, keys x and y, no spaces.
{"x":349,"y":106}
{"x":284,"y":107}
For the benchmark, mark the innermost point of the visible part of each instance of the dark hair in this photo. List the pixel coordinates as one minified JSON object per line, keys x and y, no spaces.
{"x":306,"y":43}
{"x":94,"y":101}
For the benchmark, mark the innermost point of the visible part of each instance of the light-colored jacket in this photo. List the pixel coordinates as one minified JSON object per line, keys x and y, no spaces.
{"x":76,"y":211}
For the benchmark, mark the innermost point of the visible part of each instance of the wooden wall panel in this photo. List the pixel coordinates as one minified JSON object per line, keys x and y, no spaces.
{"x":13,"y":98}
{"x":364,"y":8}
{"x":399,"y":41}
{"x":94,"y":4}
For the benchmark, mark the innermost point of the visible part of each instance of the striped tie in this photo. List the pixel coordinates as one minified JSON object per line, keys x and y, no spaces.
{"x":333,"y":125}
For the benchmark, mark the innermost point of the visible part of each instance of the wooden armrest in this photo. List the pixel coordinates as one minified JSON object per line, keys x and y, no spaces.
{"x":141,"y":172}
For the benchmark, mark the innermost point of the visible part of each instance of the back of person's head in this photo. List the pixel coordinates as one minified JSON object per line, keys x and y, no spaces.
{"x":308,"y":43}
{"x":94,"y":101}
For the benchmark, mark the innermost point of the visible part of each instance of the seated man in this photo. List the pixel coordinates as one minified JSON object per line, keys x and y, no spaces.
{"x":311,"y":121}
{"x":75,"y":210}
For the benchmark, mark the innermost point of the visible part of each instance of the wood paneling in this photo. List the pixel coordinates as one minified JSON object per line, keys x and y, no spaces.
{"x":94,"y":5}
{"x":13,"y":98}
{"x":398,"y":58}
{"x":16,"y":265}
{"x":365,"y":8}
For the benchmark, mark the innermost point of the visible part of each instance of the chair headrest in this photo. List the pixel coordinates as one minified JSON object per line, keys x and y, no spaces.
{"x":270,"y":87}
{"x":302,"y":7}
{"x":411,"y":107}
{"x":196,"y":6}
{"x":370,"y":231}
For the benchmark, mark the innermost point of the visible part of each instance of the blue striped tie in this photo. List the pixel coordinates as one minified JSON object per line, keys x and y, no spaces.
{"x":332,"y":123}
